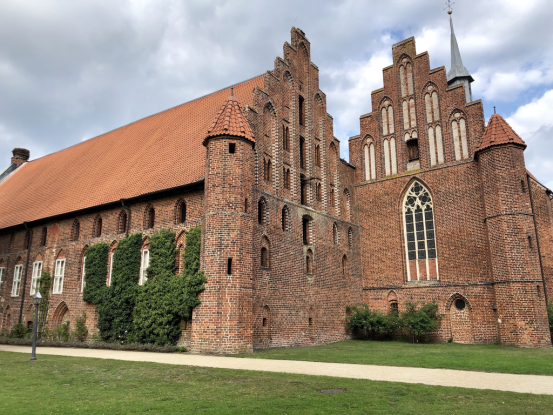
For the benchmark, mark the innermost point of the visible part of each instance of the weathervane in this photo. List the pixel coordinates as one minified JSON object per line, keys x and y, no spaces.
{"x":449,"y":3}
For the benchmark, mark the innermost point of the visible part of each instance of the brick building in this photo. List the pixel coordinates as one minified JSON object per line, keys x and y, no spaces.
{"x":433,"y":206}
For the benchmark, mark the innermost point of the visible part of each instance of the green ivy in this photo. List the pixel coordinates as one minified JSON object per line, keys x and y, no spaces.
{"x":115,"y":310}
{"x":96,"y":273}
{"x":166,"y":298}
{"x":44,"y":284}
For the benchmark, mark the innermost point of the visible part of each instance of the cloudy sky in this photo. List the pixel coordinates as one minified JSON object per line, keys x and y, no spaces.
{"x":71,"y":70}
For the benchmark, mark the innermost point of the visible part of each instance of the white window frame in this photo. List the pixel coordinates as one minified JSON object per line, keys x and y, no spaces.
{"x":59,"y":273}
{"x":1,"y":276}
{"x":144,"y":264}
{"x":83,"y":283}
{"x":17,"y":272}
{"x":37,"y":272}
{"x":110,"y":267}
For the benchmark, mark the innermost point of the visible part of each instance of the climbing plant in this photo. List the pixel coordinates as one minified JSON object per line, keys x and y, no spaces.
{"x":115,"y":310}
{"x":166,"y":298}
{"x":44,"y":284}
{"x":96,"y":273}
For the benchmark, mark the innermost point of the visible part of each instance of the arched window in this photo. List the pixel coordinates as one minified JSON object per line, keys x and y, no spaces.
{"x":149,"y":217}
{"x":335,"y":236}
{"x":303,"y":189}
{"x":344,"y":265}
{"x":97,"y":228}
{"x":406,"y":78}
{"x":302,"y":153}
{"x":350,"y":238}
{"x":261,"y":211}
{"x":309,"y":262}
{"x":390,"y":160}
{"x":269,"y":171}
{"x":432,"y":106}
{"x":83,"y":267}
{"x":144,"y":263}
{"x":75,"y":230}
{"x":43,"y":236}
{"x":459,"y":129}
{"x":318,"y":192}
{"x":306,"y":230}
{"x":387,"y":118}
{"x":412,"y":112}
{"x":285,"y":219}
{"x":332,"y":201}
{"x":347,"y":204}
{"x":370,"y":161}
{"x":112,"y":249}
{"x":180,"y":212}
{"x":301,"y":110}
{"x":285,"y":138}
{"x":435,"y":145}
{"x":265,"y":253}
{"x":318,"y":155}
{"x":420,"y":237}
{"x":59,"y":274}
{"x":122,"y":222}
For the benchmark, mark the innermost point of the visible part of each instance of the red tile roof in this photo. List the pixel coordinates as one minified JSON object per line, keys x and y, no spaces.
{"x":498,"y":132}
{"x":230,"y":121}
{"x":155,"y":153}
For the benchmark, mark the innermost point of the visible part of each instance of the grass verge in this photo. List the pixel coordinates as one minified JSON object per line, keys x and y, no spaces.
{"x":486,"y":358}
{"x":62,"y":385}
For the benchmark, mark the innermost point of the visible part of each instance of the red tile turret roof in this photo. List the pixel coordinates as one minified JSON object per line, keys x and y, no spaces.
{"x":155,"y":153}
{"x":230,"y":121}
{"x":498,"y":132}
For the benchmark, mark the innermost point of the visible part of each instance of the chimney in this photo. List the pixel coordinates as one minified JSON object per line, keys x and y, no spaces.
{"x":20,"y":156}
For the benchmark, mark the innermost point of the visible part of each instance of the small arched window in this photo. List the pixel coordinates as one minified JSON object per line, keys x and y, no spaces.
{"x":261,"y":211}
{"x":318,"y":155}
{"x":122,"y":222}
{"x":303,"y":189}
{"x":302,"y":153}
{"x":285,"y":219}
{"x":309,"y":262}
{"x":180,"y":212}
{"x":350,"y":238}
{"x":435,"y":145}
{"x":344,"y":265}
{"x":301,"y":110}
{"x":459,"y":129}
{"x":75,"y":230}
{"x":264,"y":257}
{"x":387,"y":118}
{"x":97,"y":228}
{"x":306,"y":230}
{"x":150,"y":217}
{"x":318,"y":192}
{"x":285,"y":138}
{"x":335,"y":235}
{"x":347,"y":204}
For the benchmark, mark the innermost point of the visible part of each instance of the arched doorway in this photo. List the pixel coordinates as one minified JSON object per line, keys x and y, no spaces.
{"x":460,"y":317}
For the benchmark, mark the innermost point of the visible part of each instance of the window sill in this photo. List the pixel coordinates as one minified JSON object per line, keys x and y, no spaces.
{"x":265,"y":269}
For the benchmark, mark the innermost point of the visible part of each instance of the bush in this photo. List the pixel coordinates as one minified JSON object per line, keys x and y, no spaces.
{"x":419,"y":323}
{"x":62,"y":333}
{"x":372,"y":323}
{"x":80,"y":331}
{"x":18,"y":331}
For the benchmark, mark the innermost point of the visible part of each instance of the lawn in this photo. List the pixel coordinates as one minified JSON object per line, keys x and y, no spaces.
{"x":487,"y":358}
{"x":69,"y":385}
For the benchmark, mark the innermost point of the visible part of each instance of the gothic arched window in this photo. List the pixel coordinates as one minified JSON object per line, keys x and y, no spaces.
{"x":420,"y":237}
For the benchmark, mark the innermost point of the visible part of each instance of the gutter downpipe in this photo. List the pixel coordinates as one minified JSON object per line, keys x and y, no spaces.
{"x":537,"y":238}
{"x":26,"y":270}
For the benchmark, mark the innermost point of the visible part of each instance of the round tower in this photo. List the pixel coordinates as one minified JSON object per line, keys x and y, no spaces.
{"x":222,"y":323}
{"x":521,"y":311}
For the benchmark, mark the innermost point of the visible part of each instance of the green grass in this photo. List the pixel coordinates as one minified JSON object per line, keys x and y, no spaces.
{"x":69,"y":385}
{"x":487,"y":358}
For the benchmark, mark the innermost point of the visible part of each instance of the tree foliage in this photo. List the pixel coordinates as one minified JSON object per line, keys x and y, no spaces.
{"x":115,"y":310}
{"x":96,"y":273}
{"x":419,"y":322}
{"x":373,"y":323}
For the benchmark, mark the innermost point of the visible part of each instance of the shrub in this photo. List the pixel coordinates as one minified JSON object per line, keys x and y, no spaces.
{"x":62,"y":333}
{"x":80,"y":331}
{"x":420,"y":322}
{"x":372,"y":322}
{"x":18,"y":331}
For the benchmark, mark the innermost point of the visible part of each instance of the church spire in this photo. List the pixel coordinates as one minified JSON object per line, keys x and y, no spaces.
{"x":458,"y":74}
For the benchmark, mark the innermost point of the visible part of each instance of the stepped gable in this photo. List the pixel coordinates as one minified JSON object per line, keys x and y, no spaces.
{"x":230,"y":121}
{"x":498,"y":132}
{"x":158,"y":152}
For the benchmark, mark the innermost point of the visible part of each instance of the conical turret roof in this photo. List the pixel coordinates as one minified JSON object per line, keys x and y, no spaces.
{"x":499,"y":132}
{"x":230,"y":120}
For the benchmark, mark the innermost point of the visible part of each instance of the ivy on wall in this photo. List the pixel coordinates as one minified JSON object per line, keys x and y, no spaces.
{"x":95,"y":273}
{"x":166,"y":298}
{"x":115,"y":319}
{"x":44,"y":284}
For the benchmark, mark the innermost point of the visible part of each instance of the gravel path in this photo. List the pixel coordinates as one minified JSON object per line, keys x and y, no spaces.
{"x":443,"y":377}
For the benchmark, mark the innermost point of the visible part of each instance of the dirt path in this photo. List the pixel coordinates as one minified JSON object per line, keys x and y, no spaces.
{"x":442,"y":377}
